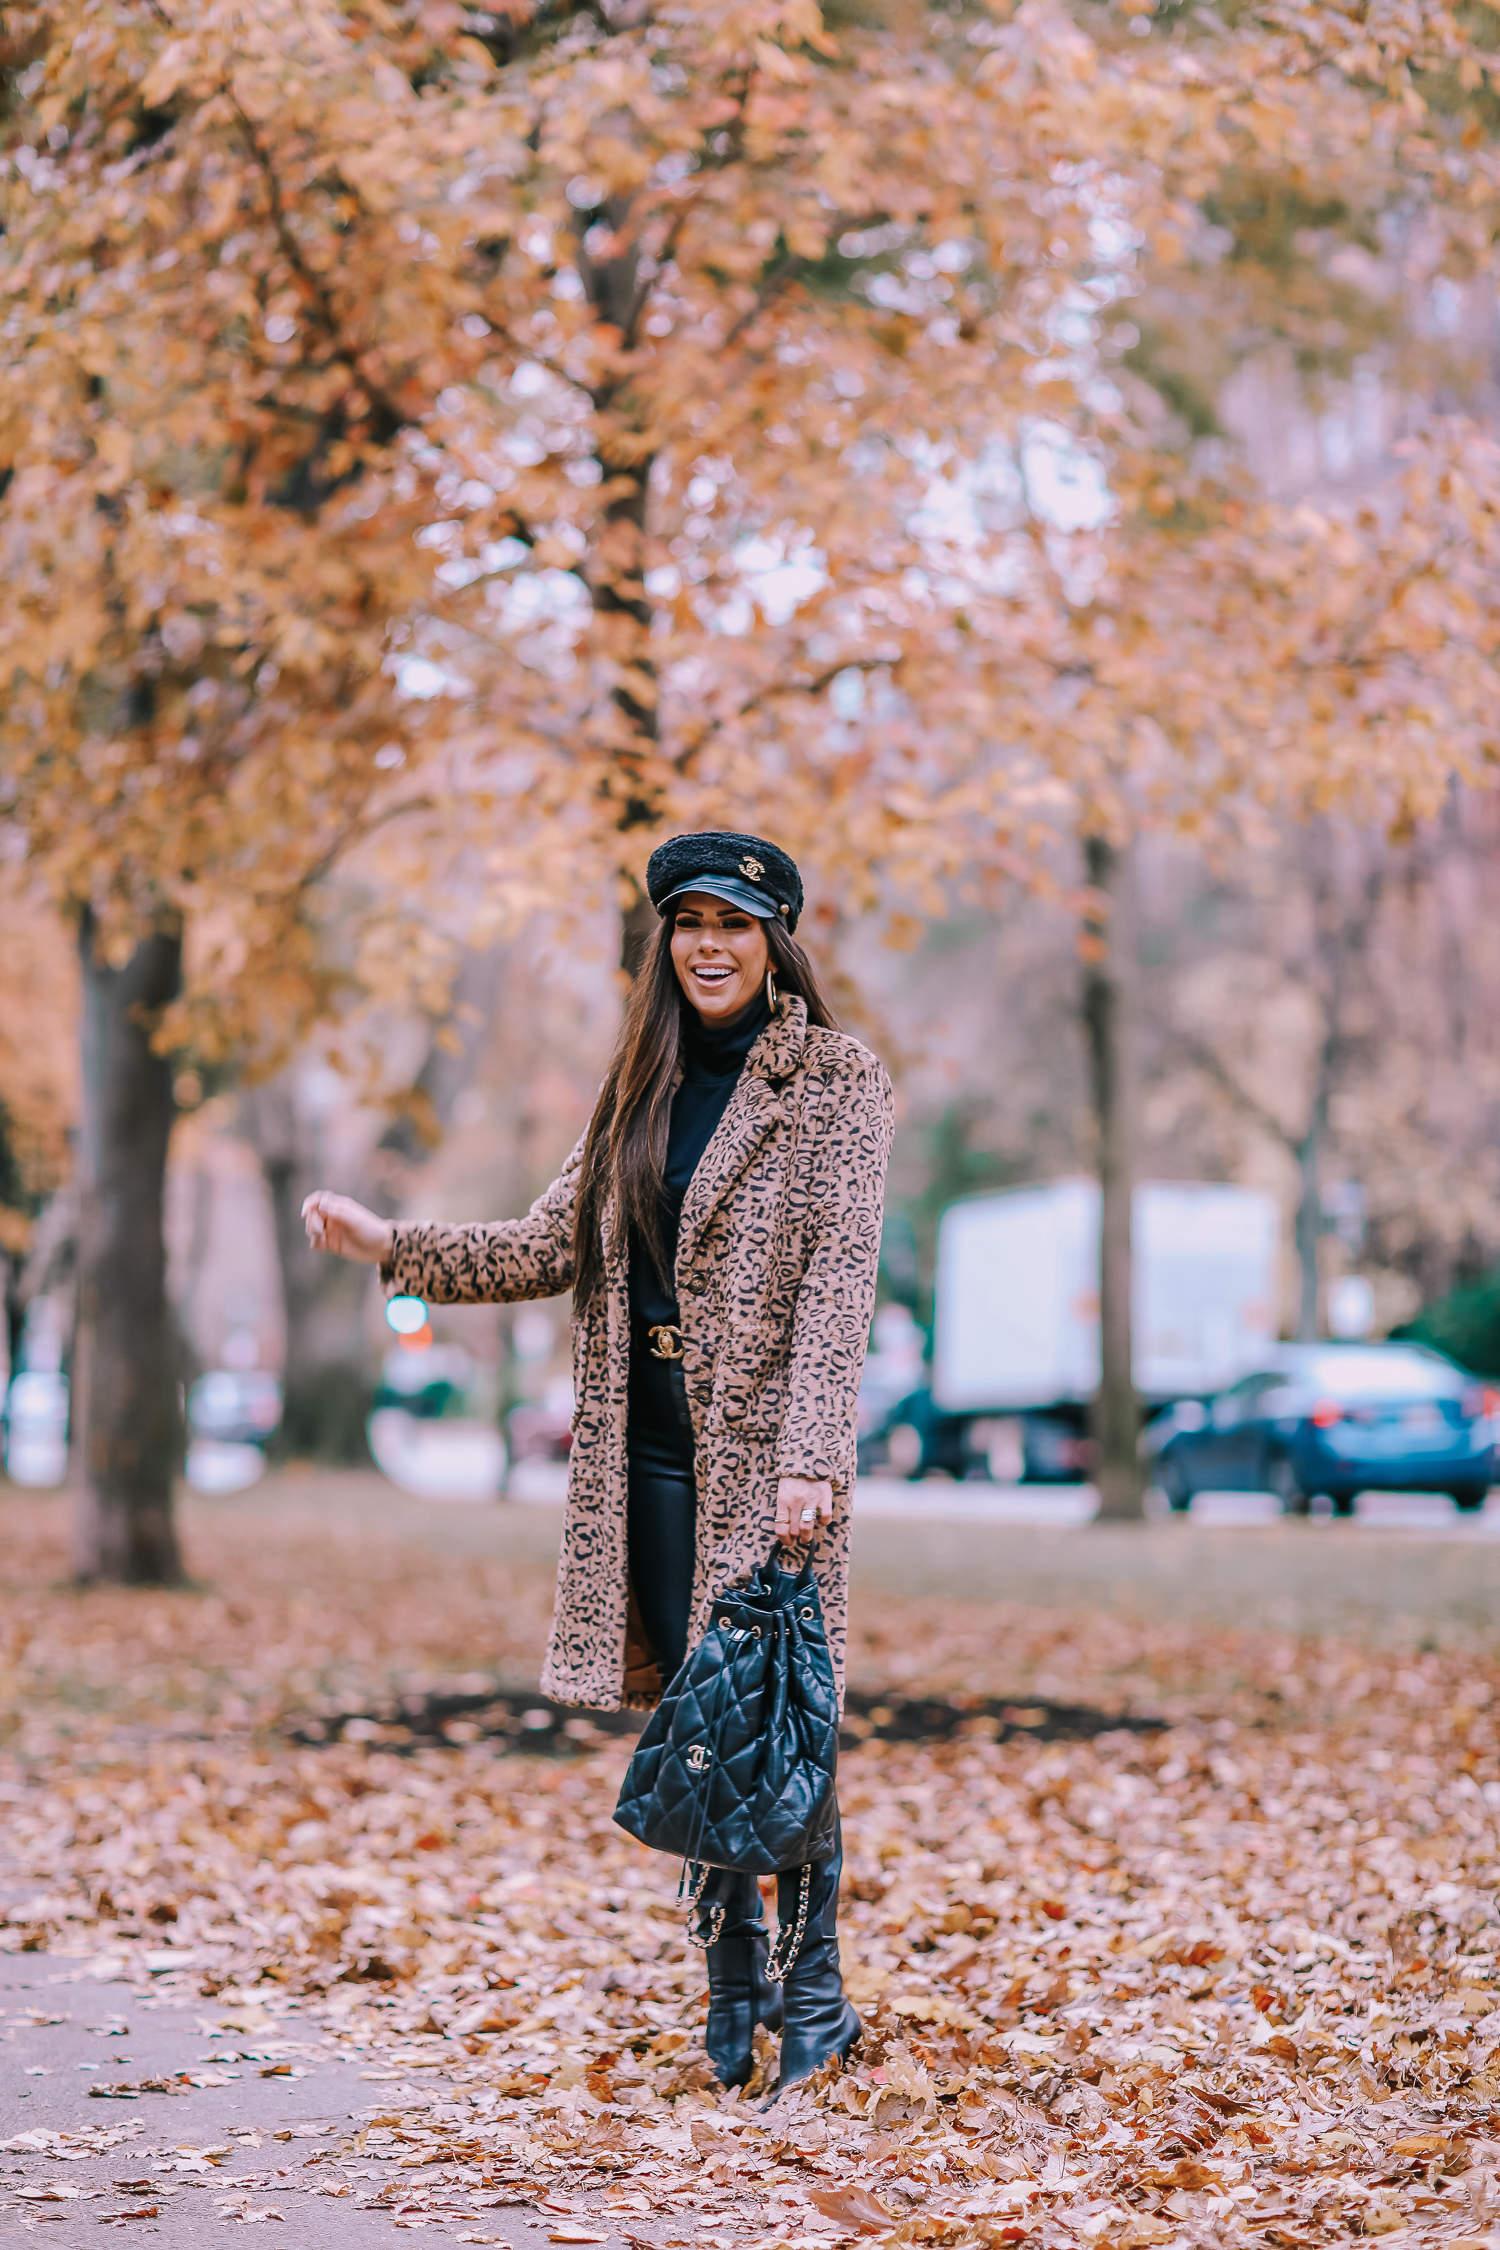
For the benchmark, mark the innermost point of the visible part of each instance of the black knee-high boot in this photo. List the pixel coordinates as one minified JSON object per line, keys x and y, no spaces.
{"x":740,"y":1995}
{"x":817,"y":2020}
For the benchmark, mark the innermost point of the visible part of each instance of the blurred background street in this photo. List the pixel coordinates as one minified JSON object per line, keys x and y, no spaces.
{"x":985,"y":1351}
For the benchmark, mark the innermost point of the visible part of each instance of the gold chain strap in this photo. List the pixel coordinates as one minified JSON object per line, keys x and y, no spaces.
{"x":715,"y":1926}
{"x":694,"y":1898}
{"x":776,"y":1967}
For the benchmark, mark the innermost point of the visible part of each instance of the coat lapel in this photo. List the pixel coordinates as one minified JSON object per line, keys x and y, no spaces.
{"x":753,"y":1108}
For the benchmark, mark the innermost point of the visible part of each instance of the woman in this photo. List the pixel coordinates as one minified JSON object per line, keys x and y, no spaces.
{"x":719,"y":1227}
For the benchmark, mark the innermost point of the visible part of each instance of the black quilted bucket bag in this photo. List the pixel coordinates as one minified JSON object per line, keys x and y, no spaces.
{"x":735,"y":1766}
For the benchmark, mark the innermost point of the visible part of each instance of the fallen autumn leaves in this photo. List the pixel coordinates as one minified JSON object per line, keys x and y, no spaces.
{"x":1230,"y":1982}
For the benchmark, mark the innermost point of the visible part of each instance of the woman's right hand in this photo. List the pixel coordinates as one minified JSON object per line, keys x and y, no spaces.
{"x":339,"y":1224}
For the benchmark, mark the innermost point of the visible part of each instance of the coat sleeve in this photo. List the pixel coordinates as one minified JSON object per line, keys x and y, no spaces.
{"x":497,"y":1263}
{"x":836,"y":1297}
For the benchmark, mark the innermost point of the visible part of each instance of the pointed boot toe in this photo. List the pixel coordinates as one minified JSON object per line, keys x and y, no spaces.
{"x":807,"y":2047}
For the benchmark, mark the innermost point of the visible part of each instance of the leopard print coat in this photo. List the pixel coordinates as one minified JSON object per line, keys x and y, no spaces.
{"x":776,"y":1260}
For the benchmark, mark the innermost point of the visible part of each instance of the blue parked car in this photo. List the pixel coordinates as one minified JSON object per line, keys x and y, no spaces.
{"x":1337,"y":1419}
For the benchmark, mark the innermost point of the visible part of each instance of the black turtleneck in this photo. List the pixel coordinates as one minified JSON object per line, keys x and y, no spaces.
{"x":713,"y":1055}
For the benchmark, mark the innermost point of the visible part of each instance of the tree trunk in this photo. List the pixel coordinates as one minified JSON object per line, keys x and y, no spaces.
{"x":1309,"y":1220}
{"x":448,"y":1069}
{"x":638,"y":926}
{"x":326,"y":1390}
{"x":1108,"y":1021}
{"x":127,"y":1419}
{"x":15,"y":1312}
{"x":615,"y":571}
{"x":624,"y":610}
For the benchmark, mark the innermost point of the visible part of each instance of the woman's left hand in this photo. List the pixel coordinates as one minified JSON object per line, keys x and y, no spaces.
{"x":801,"y":1506}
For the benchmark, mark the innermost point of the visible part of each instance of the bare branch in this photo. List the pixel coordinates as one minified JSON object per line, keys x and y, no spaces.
{"x":642,"y":295}
{"x":312,"y":282}
{"x":355,"y":831}
{"x":1213,"y":1066}
{"x":780,"y":276}
{"x":769,"y":693}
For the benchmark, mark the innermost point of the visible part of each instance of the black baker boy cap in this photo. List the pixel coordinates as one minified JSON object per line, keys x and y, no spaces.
{"x":742,"y":870}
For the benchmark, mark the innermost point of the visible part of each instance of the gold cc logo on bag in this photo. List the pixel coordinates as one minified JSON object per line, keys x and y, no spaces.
{"x":752,"y":868}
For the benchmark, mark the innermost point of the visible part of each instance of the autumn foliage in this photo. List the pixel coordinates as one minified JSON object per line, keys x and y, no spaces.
{"x":670,"y":390}
{"x":38,"y":1059}
{"x":440,"y":452}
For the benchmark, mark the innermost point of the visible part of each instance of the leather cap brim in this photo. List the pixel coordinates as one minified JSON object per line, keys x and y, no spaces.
{"x":730,"y":889}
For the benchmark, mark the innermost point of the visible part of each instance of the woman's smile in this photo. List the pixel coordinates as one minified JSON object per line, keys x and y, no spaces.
{"x":720,"y":955}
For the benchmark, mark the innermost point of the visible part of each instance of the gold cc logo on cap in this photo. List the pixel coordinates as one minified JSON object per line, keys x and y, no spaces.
{"x":752,"y":868}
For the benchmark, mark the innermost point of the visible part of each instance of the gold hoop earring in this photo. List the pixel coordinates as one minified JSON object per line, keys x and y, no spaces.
{"x":771,"y":990}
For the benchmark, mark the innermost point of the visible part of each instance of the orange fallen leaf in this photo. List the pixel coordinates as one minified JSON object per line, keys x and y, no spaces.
{"x":854,"y":2207}
{"x":565,"y":1892}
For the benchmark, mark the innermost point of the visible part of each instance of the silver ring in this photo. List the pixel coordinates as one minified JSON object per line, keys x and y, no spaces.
{"x":807,"y":1515}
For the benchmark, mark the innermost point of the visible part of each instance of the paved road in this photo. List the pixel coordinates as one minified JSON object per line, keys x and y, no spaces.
{"x":1062,"y":1506}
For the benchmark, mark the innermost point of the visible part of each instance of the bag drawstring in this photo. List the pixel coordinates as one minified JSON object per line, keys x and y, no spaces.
{"x":696,"y":1886}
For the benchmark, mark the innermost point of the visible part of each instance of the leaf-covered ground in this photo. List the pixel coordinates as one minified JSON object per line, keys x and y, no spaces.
{"x":1230,"y":1981}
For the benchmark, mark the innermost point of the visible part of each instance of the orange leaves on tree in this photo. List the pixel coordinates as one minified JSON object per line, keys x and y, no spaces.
{"x":432,"y":449}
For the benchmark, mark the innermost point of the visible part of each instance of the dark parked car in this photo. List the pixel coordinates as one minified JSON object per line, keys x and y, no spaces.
{"x":1336,"y":1419}
{"x":916,"y":1439}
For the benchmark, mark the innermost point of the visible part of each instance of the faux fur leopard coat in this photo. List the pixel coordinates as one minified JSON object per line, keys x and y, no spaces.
{"x":776,"y":1260}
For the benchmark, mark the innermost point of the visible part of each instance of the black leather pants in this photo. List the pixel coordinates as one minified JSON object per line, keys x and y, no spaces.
{"x":661,"y":1505}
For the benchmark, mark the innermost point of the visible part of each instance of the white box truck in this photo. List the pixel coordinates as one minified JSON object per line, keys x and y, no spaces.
{"x":1016,"y":1309}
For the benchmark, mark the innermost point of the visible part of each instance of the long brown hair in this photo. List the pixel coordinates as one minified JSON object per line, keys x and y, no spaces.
{"x":625,"y":1153}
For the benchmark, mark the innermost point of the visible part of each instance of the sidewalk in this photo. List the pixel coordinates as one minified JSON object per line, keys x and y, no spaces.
{"x":229,"y":2125}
